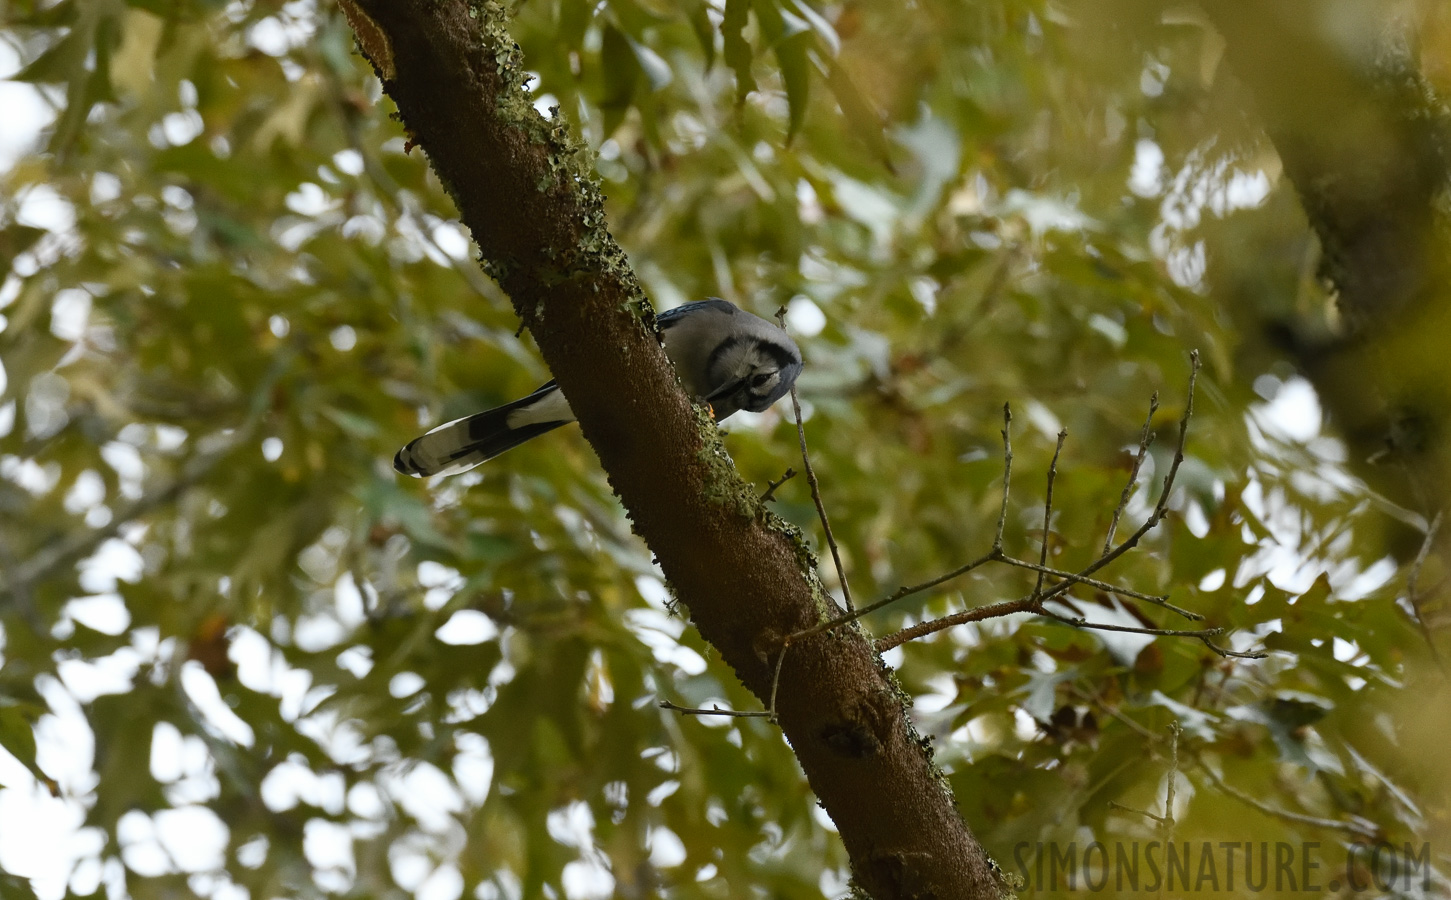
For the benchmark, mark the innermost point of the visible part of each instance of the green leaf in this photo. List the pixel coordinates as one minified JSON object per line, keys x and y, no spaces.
{"x":697,"y":12}
{"x":15,"y":240}
{"x":61,"y":63}
{"x":17,"y":735}
{"x":817,"y":23}
{"x":656,"y":69}
{"x":621,"y":70}
{"x":166,"y":9}
{"x":863,"y":121}
{"x":768,"y":18}
{"x":633,"y":18}
{"x":86,"y":88}
{"x":796,"y":73}
{"x":574,"y":19}
{"x":737,"y":49}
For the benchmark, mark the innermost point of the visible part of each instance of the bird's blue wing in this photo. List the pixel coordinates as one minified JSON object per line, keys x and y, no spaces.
{"x":674,"y":316}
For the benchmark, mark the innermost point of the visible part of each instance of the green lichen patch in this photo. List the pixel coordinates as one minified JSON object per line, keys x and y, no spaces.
{"x":722,"y":483}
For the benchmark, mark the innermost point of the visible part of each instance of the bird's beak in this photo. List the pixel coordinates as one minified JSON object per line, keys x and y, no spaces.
{"x":725,"y":390}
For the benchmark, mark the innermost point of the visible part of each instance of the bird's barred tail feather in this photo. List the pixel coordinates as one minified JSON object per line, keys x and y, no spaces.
{"x":464,"y":443}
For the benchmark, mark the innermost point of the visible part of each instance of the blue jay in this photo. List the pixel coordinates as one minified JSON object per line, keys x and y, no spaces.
{"x":724,"y":355}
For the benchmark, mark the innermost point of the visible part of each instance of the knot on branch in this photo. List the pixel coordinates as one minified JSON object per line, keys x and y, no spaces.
{"x":900,"y":871}
{"x":865,"y":728}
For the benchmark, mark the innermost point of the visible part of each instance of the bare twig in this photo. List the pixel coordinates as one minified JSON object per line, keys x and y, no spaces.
{"x":1156,"y":599}
{"x":1007,"y":476}
{"x":1033,"y":603}
{"x":1080,"y":622}
{"x":1048,"y":513}
{"x":776,"y":678}
{"x":1168,"y":822}
{"x":977,"y":614}
{"x":1159,"y":820}
{"x":1356,"y":826}
{"x":1146,"y":437}
{"x":1203,"y":634}
{"x":905,"y":592}
{"x":1232,"y":654}
{"x":769,"y":713}
{"x":1414,"y":596}
{"x":815,"y":487}
{"x":771,"y":488}
{"x":717,"y":711}
{"x":1116,"y":713}
{"x":1161,"y":508}
{"x":887,"y":601}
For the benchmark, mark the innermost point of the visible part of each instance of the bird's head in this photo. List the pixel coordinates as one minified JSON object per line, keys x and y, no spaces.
{"x":752,"y":374}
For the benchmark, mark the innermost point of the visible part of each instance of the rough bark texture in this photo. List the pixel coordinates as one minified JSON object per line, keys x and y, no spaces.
{"x":1366,"y":146}
{"x":746,"y":578}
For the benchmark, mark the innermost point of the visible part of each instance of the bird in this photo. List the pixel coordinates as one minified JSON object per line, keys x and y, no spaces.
{"x":725,"y":356}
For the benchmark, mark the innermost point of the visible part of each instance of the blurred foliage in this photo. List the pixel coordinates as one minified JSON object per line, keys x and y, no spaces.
{"x":260,"y":664}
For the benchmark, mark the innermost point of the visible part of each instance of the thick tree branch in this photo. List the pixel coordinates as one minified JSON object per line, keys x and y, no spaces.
{"x":524,"y":190}
{"x":1367,"y":147}
{"x":1357,"y":139}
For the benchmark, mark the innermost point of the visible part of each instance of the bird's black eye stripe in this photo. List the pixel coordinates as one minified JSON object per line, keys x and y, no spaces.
{"x":781,"y":356}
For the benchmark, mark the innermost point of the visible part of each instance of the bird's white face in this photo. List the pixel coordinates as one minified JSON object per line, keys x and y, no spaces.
{"x":749,"y":376}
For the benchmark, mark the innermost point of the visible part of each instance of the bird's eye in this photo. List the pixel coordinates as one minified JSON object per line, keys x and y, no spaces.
{"x":763,"y":379}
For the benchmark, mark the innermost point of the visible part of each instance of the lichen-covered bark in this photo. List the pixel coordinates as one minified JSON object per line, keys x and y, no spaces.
{"x":532,"y":204}
{"x":1367,"y":148}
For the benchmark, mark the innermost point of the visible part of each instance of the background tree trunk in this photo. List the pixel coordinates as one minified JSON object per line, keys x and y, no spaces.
{"x":1368,"y":150}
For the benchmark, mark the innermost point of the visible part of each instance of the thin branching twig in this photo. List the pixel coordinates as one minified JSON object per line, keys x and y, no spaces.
{"x":815,"y":487}
{"x":1007,"y":476}
{"x":1357,"y":826}
{"x":1034,"y":602}
{"x":1156,"y":599}
{"x":1203,"y":634}
{"x":771,"y":488}
{"x":901,"y":593}
{"x":1116,"y":713}
{"x":1031,"y":604}
{"x":776,"y":678}
{"x":1415,"y":597}
{"x":768,"y":713}
{"x":1146,"y":437}
{"x":1138,"y":812}
{"x":1174,"y":730}
{"x":1048,"y":513}
{"x":1162,"y":507}
{"x":977,"y":614}
{"x":717,"y":711}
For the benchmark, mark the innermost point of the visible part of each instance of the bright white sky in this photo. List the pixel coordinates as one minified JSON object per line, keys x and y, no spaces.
{"x":41,"y":836}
